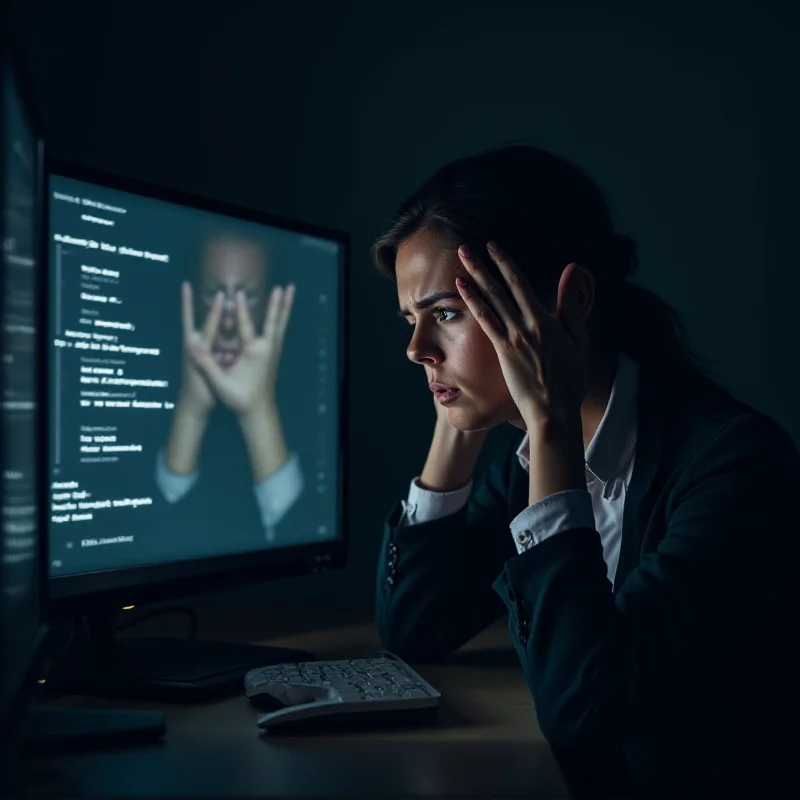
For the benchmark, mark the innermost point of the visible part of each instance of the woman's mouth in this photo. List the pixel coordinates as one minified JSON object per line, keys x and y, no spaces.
{"x":448,"y":396}
{"x":445,"y":394}
{"x":226,"y":357}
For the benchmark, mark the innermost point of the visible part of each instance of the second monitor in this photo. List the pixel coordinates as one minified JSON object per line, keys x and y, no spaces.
{"x":196,"y":391}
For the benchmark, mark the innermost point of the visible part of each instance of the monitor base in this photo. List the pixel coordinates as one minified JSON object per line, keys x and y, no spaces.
{"x":53,"y":730}
{"x":164,"y":669}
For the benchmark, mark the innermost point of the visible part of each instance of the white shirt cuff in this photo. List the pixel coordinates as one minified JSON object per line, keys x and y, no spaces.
{"x":173,"y":485}
{"x":557,"y":513}
{"x":423,"y":505}
{"x":278,"y":492}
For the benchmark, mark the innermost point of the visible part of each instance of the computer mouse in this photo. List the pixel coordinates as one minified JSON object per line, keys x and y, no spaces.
{"x":275,"y":696}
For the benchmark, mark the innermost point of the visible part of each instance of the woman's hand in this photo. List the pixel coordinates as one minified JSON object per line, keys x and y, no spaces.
{"x":249,"y":384}
{"x":543,"y":356}
{"x":195,"y":394}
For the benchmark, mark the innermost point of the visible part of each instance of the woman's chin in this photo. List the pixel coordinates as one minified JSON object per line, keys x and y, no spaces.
{"x":466,"y":421}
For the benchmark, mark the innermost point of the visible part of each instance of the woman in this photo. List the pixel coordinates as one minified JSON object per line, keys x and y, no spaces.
{"x":230,"y":359}
{"x":639,"y":533}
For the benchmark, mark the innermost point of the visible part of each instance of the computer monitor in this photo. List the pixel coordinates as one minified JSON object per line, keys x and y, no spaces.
{"x":197,"y":397}
{"x":22,"y":468}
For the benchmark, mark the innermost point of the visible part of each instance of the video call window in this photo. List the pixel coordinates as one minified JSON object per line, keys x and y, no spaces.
{"x":194,"y":368}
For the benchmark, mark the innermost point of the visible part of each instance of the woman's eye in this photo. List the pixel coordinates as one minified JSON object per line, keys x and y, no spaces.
{"x":441,"y":315}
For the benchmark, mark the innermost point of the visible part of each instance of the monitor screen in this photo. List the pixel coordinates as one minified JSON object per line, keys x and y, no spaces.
{"x":194,"y":382}
{"x":20,"y":171}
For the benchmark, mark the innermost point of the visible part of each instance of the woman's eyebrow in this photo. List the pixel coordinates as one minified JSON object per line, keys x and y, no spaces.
{"x":428,"y":301}
{"x":214,"y":286}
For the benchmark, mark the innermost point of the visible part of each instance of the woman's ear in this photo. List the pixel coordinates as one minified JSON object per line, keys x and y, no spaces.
{"x":575,"y":299}
{"x":576,"y":292}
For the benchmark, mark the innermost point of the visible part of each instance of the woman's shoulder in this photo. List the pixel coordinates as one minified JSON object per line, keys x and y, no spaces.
{"x":705,"y":417}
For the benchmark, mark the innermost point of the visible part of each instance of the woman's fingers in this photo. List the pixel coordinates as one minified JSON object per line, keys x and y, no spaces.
{"x":531,"y":311}
{"x":272,"y":317}
{"x":246,"y":329}
{"x":286,"y":310}
{"x":481,"y":310}
{"x":492,"y":295}
{"x":211,"y":323}
{"x":187,"y":310}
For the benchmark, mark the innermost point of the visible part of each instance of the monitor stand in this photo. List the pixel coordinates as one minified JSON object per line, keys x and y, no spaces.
{"x":160,"y":669}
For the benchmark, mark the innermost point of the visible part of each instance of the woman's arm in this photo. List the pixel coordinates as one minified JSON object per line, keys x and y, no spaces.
{"x":263,"y":436}
{"x":598,"y":665}
{"x":195,"y":399}
{"x":185,"y":438}
{"x":451,"y":457}
{"x":434,"y":578}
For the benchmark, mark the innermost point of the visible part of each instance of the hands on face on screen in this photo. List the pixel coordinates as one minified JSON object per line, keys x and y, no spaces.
{"x":249,"y":382}
{"x":195,"y":392}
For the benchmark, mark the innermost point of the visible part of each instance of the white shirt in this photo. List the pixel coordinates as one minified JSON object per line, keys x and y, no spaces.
{"x":609,"y":466}
{"x":275,"y":495}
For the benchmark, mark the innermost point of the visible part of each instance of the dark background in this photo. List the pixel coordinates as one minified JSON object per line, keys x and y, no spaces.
{"x":684,"y":111}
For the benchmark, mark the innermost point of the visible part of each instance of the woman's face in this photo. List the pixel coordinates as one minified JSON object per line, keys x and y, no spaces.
{"x":446,"y":339}
{"x":231,"y":266}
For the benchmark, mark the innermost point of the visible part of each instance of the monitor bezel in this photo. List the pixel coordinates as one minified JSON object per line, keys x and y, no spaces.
{"x":104,"y":591}
{"x":38,"y":648}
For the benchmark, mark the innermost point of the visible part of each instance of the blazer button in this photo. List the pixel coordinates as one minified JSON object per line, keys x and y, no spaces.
{"x":523,"y":626}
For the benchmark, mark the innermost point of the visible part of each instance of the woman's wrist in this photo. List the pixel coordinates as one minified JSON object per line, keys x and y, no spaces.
{"x":261,"y":411}
{"x":557,"y":460}
{"x":185,"y":438}
{"x":563,"y":429}
{"x":451,"y":458}
{"x":263,"y":435}
{"x":186,"y":407}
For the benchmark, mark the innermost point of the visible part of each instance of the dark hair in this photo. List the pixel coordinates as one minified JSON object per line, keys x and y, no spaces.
{"x":546,"y":213}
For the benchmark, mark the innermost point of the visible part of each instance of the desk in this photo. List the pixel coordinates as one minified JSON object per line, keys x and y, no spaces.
{"x":486,"y":742}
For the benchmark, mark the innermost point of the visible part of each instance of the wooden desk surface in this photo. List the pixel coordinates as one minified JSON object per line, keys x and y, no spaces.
{"x":486,"y":741}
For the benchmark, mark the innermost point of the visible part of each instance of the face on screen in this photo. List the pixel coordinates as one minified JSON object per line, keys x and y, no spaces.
{"x":230,"y":266}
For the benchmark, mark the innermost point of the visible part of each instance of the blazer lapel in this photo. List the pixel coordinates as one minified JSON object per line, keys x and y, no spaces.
{"x":650,"y":433}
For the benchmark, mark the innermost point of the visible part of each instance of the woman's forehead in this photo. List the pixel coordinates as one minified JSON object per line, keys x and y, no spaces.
{"x":423,"y":266}
{"x":233,"y":260}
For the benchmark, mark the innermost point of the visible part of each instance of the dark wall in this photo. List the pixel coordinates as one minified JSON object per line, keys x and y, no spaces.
{"x":684,"y":112}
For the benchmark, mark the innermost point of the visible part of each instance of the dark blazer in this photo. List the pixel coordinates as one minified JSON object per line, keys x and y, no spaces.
{"x":681,"y":679}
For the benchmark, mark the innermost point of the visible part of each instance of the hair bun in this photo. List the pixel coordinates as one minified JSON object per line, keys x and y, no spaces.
{"x":623,"y":255}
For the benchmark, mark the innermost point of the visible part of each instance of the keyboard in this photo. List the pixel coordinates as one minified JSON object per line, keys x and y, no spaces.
{"x":311,"y":695}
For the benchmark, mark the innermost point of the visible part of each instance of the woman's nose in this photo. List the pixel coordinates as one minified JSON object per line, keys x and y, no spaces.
{"x":422,"y":350}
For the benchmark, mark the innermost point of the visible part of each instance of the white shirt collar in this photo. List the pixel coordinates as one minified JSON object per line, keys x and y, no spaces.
{"x":613,"y":444}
